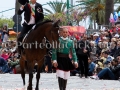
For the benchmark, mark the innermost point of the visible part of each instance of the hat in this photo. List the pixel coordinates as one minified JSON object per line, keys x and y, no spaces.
{"x":23,"y":2}
{"x":96,"y":34}
{"x":116,"y":35}
{"x":105,"y":38}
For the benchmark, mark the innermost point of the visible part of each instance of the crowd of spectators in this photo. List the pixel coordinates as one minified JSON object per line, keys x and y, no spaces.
{"x":103,"y":60}
{"x":8,"y":54}
{"x":104,"y":54}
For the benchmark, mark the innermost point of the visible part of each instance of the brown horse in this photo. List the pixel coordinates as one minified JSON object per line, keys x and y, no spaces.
{"x":33,"y":51}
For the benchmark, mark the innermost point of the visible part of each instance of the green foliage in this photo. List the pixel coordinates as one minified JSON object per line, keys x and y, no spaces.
{"x":118,"y":9}
{"x":96,"y":9}
{"x":61,"y":16}
{"x":116,"y":1}
{"x":8,"y":21}
{"x":56,"y":6}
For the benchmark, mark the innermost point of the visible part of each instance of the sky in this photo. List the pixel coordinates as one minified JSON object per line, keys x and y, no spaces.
{"x":9,"y":4}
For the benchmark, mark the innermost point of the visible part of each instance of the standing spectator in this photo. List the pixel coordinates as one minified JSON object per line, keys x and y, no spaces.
{"x":83,"y":52}
{"x":5,"y":34}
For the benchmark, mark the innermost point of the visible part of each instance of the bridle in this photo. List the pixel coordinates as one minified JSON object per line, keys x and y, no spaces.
{"x":52,"y":32}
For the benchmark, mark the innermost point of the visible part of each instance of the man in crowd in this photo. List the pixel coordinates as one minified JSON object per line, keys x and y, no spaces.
{"x":83,"y":52}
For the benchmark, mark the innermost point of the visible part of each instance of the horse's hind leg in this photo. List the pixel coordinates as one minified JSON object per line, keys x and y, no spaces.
{"x":30,"y":66}
{"x":22,"y":66}
{"x":38,"y":74}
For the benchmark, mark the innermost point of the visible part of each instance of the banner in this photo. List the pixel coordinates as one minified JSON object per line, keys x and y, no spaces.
{"x":73,"y":30}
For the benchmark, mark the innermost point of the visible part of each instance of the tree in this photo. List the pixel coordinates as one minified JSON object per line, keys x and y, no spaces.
{"x":77,"y":15}
{"x":109,"y":7}
{"x":57,"y":12}
{"x":56,"y":6}
{"x":6,"y":21}
{"x":117,"y":2}
{"x":96,"y":10}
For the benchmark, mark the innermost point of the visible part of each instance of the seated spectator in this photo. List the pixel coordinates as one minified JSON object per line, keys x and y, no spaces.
{"x":113,"y":47}
{"x":13,"y":48}
{"x":0,"y":45}
{"x":111,"y":72}
{"x":93,"y":52}
{"x":13,"y":63}
{"x":99,"y":65}
{"x":5,"y":54}
{"x":117,"y":52}
{"x":102,"y":57}
{"x":3,"y":66}
{"x":91,"y":67}
{"x":108,"y":58}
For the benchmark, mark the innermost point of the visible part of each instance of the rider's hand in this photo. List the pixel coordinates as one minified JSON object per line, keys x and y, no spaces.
{"x":22,"y":6}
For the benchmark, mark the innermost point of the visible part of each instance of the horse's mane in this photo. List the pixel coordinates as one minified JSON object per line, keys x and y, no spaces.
{"x":42,"y":22}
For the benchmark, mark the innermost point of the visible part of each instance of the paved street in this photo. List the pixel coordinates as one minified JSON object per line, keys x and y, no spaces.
{"x":49,"y":82}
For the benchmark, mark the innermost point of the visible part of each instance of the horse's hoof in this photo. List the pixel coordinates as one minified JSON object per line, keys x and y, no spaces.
{"x":29,"y":88}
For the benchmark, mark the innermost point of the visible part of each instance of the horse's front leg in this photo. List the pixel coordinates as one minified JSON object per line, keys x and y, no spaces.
{"x":22,"y":67}
{"x":38,"y":75}
{"x":30,"y":70}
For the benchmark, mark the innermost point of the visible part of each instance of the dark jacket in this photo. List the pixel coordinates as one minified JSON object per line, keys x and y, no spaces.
{"x":117,"y":52}
{"x":98,"y":51}
{"x":116,"y":71}
{"x":80,"y":47}
{"x":27,"y":13}
{"x":2,"y":62}
{"x":113,"y":51}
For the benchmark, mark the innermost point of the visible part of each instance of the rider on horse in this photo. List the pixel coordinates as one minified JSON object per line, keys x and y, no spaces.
{"x":33,"y":13}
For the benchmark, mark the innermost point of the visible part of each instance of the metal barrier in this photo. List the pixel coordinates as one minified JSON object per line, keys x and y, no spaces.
{"x":91,"y":31}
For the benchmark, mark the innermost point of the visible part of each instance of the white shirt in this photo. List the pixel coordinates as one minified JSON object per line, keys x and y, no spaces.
{"x":32,"y":19}
{"x":64,"y":38}
{"x":5,"y":39}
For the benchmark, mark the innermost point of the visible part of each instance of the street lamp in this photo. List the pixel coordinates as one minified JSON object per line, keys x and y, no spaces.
{"x":69,"y":5}
{"x":68,"y":12}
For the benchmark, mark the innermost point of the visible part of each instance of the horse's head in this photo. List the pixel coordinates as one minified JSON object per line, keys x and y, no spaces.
{"x":52,"y":35}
